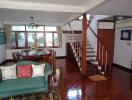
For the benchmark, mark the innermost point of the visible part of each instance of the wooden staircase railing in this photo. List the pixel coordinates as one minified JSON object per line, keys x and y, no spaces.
{"x":103,"y":55}
{"x":77,"y":48}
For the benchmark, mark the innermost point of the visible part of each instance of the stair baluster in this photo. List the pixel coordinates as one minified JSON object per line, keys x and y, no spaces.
{"x":76,"y":47}
{"x":106,"y":55}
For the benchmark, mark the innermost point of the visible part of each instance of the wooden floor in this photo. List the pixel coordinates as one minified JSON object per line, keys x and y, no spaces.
{"x":73,"y":86}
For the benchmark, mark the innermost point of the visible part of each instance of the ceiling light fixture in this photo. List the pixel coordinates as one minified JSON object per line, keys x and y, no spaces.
{"x":33,"y":24}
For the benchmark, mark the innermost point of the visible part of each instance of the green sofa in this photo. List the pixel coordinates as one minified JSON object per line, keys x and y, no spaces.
{"x":14,"y":87}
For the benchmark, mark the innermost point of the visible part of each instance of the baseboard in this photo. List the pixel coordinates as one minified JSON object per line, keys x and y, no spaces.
{"x":3,"y":62}
{"x":61,"y":57}
{"x":8,"y":60}
{"x":122,"y":67}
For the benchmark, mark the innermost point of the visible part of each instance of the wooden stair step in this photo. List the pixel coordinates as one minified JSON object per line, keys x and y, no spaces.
{"x":91,"y":56}
{"x":89,"y":48}
{"x":91,"y":60}
{"x":87,"y":43}
{"x":90,"y":52}
{"x":94,"y":62}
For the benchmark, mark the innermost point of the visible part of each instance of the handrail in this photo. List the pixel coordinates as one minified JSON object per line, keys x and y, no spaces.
{"x":77,"y":40}
{"x":72,"y":31}
{"x":97,"y":37}
{"x":77,"y":47}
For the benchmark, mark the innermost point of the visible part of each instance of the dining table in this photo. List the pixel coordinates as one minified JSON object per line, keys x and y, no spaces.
{"x":34,"y":55}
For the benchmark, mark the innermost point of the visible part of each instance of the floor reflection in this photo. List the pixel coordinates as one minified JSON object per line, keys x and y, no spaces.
{"x":74,"y":86}
{"x":74,"y":94}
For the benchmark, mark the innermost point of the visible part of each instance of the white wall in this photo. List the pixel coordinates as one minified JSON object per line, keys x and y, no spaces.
{"x":106,"y":25}
{"x":61,"y":51}
{"x":2,"y":50}
{"x":2,"y":53}
{"x":123,"y":49}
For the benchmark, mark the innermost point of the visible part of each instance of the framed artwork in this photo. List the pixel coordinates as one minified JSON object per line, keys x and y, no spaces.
{"x":2,"y":38}
{"x":126,"y":34}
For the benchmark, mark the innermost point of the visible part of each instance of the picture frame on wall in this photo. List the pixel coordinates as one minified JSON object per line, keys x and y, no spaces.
{"x":126,"y":34}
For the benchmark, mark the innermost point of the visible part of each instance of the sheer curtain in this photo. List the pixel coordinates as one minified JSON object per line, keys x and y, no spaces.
{"x":8,"y":31}
{"x":59,"y":30}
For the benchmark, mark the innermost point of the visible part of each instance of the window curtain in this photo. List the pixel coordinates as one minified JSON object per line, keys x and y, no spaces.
{"x":59,"y":30}
{"x":8,"y":34}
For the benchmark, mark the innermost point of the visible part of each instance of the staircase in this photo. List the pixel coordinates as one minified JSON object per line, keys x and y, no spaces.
{"x":91,"y":55}
{"x":98,"y":58}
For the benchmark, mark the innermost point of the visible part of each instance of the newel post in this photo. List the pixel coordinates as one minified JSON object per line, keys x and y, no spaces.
{"x":84,"y":39}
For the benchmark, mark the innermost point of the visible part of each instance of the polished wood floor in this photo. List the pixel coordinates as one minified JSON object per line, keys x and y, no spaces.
{"x":73,"y":86}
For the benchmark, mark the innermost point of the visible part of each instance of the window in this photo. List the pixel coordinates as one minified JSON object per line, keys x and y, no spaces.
{"x":49,"y":39}
{"x":21,"y":39}
{"x":40,"y":28}
{"x":56,"y":39}
{"x":49,"y":28}
{"x":31,"y":39}
{"x":13,"y":40}
{"x":40,"y":39}
{"x":25,"y":37}
{"x":18,"y":28}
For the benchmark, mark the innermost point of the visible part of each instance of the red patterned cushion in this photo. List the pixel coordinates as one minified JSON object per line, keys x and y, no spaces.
{"x":24,"y":71}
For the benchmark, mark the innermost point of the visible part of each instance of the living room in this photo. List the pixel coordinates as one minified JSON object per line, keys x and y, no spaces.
{"x":38,"y":32}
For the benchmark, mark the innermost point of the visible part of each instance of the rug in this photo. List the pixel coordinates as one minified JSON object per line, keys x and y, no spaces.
{"x":96,"y":78}
{"x":53,"y":94}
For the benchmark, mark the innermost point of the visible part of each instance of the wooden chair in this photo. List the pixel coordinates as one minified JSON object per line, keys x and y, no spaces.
{"x":17,"y":55}
{"x":46,"y":58}
{"x":52,"y":59}
{"x":14,"y":57}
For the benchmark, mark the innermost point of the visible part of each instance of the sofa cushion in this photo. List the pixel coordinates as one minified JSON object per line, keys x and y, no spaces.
{"x":24,"y":71}
{"x":38,"y":70}
{"x":47,"y":70}
{"x":9,"y":72}
{"x":22,"y":84}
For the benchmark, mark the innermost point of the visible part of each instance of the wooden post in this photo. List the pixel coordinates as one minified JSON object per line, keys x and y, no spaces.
{"x":84,"y":89}
{"x":84,"y":39}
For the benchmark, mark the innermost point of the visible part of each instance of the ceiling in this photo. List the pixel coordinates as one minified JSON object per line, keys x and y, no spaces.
{"x":49,"y":12}
{"x":59,"y":12}
{"x":23,"y":16}
{"x":62,"y":2}
{"x":113,"y":7}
